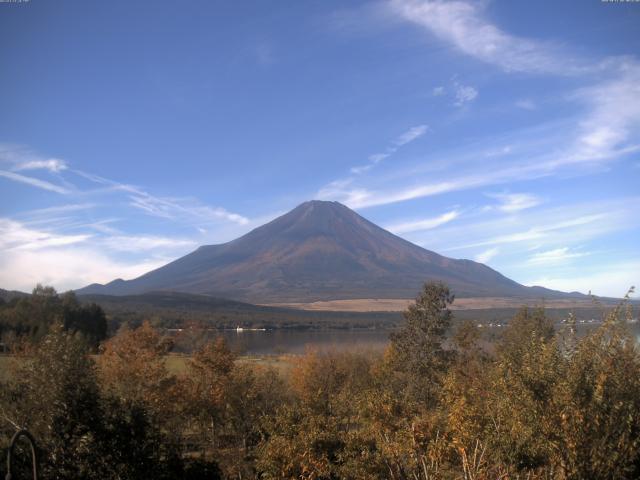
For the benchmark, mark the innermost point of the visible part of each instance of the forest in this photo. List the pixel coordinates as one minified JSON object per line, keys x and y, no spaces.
{"x":542,"y":403}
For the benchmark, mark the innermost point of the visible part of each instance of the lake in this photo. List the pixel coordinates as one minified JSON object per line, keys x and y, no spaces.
{"x":291,"y":341}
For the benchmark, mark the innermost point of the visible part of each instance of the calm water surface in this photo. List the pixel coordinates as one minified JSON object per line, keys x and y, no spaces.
{"x":270,"y":342}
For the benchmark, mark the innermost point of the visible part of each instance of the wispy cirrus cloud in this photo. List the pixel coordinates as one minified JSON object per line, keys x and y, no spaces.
{"x":412,"y":134}
{"x":514,"y":202}
{"x":20,"y":157}
{"x":486,"y":255}
{"x":535,"y":233}
{"x":73,"y":244}
{"x":166,"y":207}
{"x":614,"y":115}
{"x":55,"y":210}
{"x":16,"y":236}
{"x":463,"y":25}
{"x":358,"y":196}
{"x":35,"y":182}
{"x":407,"y":137}
{"x":570,"y":225}
{"x":51,"y":164}
{"x":553,"y":243}
{"x":607,"y":125}
{"x":174,"y":208}
{"x":498,"y":152}
{"x":613,"y":104}
{"x":555,"y":256}
{"x":423,"y":224}
{"x":136,"y":243}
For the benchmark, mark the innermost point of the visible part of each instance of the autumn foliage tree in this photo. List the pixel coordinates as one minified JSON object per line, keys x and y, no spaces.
{"x":132,"y":366}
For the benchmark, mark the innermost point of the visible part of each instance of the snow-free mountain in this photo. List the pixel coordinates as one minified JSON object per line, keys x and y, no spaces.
{"x":318,"y":251}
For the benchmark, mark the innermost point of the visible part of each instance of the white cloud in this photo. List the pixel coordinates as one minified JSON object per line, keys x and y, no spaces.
{"x":378,"y":157}
{"x":67,"y":268}
{"x":463,"y":25}
{"x":412,"y":134}
{"x":537,"y":232}
{"x":136,"y":243}
{"x":425,"y":224}
{"x":29,"y":256}
{"x":613,"y":105}
{"x":52,"y":164}
{"x":103,"y":226}
{"x":407,"y":137}
{"x":487,"y":255}
{"x":514,"y":202}
{"x":438,"y":91}
{"x":611,"y":117}
{"x":169,"y":208}
{"x":175,"y":208}
{"x":16,"y":236}
{"x":614,"y":112}
{"x":23,"y":158}
{"x":360,"y":197}
{"x":555,"y":256}
{"x":45,"y":212}
{"x":361,"y":169}
{"x":537,"y":165}
{"x":465,"y":94}
{"x":355,"y":197}
{"x":499,"y":152}
{"x":571,"y":225}
{"x":34,"y":182}
{"x":341,"y":191}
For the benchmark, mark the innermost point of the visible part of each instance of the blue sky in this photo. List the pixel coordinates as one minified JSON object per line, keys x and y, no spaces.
{"x":502,"y":131}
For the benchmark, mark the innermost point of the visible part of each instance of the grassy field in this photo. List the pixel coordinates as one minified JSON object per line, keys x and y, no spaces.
{"x":177,"y":364}
{"x":471,"y":303}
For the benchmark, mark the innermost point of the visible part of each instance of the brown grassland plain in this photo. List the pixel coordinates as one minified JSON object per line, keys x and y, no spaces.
{"x":399,"y":305}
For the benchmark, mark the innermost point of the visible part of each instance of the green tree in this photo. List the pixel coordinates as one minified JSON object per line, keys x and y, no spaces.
{"x":31,"y":317}
{"x":90,"y":320}
{"x":417,"y":349}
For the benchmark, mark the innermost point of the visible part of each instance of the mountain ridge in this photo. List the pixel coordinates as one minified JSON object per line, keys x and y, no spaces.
{"x":319,"y":251}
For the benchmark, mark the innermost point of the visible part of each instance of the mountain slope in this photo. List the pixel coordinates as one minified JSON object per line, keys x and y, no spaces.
{"x":318,"y":251}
